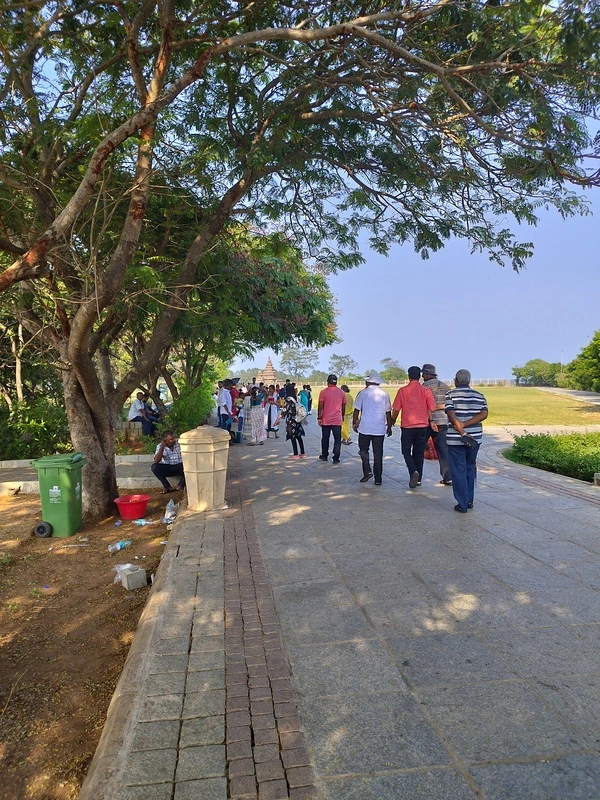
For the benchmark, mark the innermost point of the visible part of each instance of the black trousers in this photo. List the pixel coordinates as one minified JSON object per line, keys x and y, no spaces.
{"x":366,"y":440}
{"x":297,"y":442}
{"x":164,"y":471}
{"x":413,"y":442}
{"x":326,"y":431}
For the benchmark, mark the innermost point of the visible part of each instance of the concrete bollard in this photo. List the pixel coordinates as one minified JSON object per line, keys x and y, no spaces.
{"x":596,"y":478}
{"x":205,"y":451}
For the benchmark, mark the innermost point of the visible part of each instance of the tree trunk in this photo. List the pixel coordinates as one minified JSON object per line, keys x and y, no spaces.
{"x":88,"y":437}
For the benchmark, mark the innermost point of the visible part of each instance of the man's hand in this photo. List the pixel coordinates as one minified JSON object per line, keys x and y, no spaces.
{"x":434,"y":426}
{"x":389,"y":430}
{"x":319,"y":422}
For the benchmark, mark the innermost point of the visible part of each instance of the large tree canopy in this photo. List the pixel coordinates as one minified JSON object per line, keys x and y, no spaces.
{"x":420,"y":121}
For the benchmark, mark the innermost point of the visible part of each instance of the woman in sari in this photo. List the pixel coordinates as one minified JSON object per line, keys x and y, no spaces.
{"x":257,"y":418}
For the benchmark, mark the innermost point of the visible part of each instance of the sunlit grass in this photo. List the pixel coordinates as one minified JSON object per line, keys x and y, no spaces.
{"x":509,"y":405}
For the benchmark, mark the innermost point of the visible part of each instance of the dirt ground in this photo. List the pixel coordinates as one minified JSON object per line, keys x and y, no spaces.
{"x":65,"y":630}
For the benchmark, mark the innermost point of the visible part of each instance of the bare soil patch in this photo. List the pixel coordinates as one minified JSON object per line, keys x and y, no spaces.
{"x":65,"y":630}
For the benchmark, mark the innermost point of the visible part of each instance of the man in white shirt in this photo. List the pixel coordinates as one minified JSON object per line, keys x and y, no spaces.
{"x":372,"y":420}
{"x":226,"y":405}
{"x":138,"y":413}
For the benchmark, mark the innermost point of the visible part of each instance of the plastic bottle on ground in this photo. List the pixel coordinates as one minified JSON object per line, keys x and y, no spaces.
{"x":116,"y":546}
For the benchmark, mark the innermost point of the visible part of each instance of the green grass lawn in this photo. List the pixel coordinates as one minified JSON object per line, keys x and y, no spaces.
{"x":509,"y":405}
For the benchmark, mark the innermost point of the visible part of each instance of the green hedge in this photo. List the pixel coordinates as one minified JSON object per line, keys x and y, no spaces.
{"x":576,"y":455}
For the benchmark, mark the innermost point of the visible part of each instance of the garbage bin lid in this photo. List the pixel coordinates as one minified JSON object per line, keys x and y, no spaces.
{"x":59,"y":460}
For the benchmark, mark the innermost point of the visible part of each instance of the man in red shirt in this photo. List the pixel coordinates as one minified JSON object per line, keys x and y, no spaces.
{"x":330,"y":415}
{"x":416,"y":403}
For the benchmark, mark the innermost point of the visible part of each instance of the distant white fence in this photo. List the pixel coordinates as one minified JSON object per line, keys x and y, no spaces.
{"x":449,"y":381}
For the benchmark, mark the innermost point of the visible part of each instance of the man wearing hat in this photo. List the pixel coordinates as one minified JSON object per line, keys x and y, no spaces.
{"x":438,"y":389}
{"x":330,"y":415}
{"x":372,"y":420}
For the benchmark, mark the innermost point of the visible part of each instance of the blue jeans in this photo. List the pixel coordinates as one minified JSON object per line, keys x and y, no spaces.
{"x":326,"y":431}
{"x":413,"y":442}
{"x":463,"y":468}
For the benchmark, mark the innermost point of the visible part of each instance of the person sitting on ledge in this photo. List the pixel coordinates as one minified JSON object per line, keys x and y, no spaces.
{"x":168,"y":462}
{"x":139,"y":413}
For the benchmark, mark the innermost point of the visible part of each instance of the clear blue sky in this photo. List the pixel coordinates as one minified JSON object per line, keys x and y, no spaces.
{"x":459,"y":310}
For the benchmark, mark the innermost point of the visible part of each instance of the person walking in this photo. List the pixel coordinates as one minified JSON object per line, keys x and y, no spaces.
{"x":309,"y":392}
{"x":294,"y":429}
{"x":257,"y":417}
{"x":330,"y":415}
{"x":271,"y":412}
{"x":438,"y":389}
{"x":346,"y":439}
{"x":416,"y":403}
{"x":466,"y":410}
{"x":303,"y":398}
{"x":372,"y":420}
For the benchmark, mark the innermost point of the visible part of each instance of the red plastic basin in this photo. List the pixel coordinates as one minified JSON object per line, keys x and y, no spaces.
{"x":132,"y":506}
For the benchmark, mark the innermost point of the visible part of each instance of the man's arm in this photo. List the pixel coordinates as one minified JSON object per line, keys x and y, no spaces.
{"x":320,"y":412}
{"x":460,"y":426}
{"x":355,"y":419}
{"x":159,"y":453}
{"x":396,"y":406}
{"x":388,"y":419}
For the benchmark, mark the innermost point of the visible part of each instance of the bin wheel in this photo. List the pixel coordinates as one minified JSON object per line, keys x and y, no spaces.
{"x":43,"y":530}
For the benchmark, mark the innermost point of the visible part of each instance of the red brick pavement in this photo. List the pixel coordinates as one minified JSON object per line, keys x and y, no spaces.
{"x":267,"y":754}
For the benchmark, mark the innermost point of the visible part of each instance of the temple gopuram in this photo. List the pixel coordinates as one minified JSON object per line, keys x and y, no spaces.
{"x":268,"y":376}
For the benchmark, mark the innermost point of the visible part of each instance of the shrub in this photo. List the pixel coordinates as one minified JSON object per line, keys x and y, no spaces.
{"x":32,"y":430}
{"x":576,"y":455}
{"x":192,"y":408}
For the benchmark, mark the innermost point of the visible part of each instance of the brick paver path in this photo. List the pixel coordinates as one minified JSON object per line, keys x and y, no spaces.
{"x":267,"y":757}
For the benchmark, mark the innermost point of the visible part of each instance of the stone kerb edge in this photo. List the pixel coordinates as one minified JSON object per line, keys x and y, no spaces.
{"x":104,"y":776}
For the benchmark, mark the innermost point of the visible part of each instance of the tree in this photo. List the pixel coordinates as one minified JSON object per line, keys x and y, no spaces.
{"x":584,"y":371}
{"x":317,"y":376}
{"x":296,"y":362}
{"x":392,"y":372}
{"x":537,"y":372}
{"x":420,"y":123}
{"x":342,"y":365}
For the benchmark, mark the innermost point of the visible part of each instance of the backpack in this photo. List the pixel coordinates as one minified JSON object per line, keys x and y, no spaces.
{"x":300,"y":412}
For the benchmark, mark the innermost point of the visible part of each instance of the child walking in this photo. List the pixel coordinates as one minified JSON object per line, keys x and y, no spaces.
{"x":294,"y":429}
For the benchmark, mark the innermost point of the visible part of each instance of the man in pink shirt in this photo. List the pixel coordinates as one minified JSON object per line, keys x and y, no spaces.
{"x":330,"y":415}
{"x":416,"y":403}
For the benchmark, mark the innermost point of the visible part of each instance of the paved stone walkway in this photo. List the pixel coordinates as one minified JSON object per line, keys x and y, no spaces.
{"x":375,"y":645}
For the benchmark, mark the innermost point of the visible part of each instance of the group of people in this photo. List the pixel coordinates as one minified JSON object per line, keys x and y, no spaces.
{"x":142,"y":410}
{"x":262,"y":408}
{"x":451,"y":417}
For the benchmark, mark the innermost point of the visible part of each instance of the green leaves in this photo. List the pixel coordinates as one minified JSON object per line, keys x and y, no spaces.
{"x":576,"y":455}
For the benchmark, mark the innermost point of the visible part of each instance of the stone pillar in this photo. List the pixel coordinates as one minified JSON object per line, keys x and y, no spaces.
{"x":205,"y":451}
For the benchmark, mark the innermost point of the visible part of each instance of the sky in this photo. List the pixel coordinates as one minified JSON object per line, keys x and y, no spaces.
{"x":458,"y":310}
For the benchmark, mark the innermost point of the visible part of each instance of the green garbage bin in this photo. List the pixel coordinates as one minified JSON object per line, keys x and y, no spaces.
{"x":60,"y":493}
